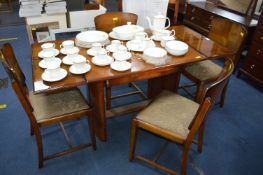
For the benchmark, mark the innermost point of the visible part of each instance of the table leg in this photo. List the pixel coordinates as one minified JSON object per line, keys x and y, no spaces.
{"x":96,"y":93}
{"x":168,"y":82}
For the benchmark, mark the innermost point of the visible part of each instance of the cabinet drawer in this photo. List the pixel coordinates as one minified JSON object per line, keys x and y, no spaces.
{"x":254,"y":67}
{"x":256,"y":51}
{"x":258,"y":36}
{"x":191,"y":10}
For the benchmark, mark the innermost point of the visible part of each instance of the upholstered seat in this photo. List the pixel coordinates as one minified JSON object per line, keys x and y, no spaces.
{"x":204,"y":70}
{"x":171,"y":112}
{"x":50,"y":105}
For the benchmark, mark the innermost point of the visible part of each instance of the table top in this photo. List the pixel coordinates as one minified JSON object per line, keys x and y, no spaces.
{"x":201,"y":48}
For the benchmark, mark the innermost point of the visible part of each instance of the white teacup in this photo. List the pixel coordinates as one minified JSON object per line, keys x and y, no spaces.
{"x":96,"y":47}
{"x":140,"y":36}
{"x":103,"y":54}
{"x":67,"y":44}
{"x":135,"y":44}
{"x":162,"y":33}
{"x":147,"y":42}
{"x":116,"y":43}
{"x":52,"y":70}
{"x":80,"y":63}
{"x":47,"y":47}
{"x":72,"y":53}
{"x":165,"y":39}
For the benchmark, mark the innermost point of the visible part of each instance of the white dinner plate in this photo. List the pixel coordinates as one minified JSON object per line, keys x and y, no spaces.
{"x":42,"y":54}
{"x":61,"y":75}
{"x":121,"y":57}
{"x":43,"y":63}
{"x":68,"y":61}
{"x":75,"y":70}
{"x":92,"y":36}
{"x":120,"y":65}
{"x":102,"y":62}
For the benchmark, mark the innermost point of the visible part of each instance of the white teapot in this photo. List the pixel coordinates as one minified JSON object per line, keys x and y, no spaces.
{"x":158,"y":22}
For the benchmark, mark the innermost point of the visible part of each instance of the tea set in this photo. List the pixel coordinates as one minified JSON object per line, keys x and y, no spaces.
{"x":116,"y":53}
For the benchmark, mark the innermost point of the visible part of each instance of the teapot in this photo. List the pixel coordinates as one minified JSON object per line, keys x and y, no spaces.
{"x":158,"y":22}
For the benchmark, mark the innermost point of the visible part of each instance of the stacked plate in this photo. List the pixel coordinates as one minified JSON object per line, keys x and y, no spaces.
{"x":155,"y":55}
{"x":87,"y":38}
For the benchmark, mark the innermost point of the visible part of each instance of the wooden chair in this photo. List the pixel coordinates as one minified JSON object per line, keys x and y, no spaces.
{"x":177,"y":119}
{"x":47,"y":109}
{"x":231,"y":36}
{"x":106,"y":22}
{"x":174,"y":6}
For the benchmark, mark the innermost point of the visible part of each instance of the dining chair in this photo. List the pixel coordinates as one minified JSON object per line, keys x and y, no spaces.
{"x":178,"y":119}
{"x":174,"y":6}
{"x":231,"y":36}
{"x":106,"y":22}
{"x":47,"y":109}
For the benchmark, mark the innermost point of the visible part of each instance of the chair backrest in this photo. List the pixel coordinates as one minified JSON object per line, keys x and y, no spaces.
{"x":17,"y":77}
{"x":229,"y":34}
{"x":212,"y":91}
{"x":106,"y":22}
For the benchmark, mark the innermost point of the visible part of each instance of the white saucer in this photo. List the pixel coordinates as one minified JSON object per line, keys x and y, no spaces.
{"x":91,"y":52}
{"x":155,"y":38}
{"x":63,"y":51}
{"x":113,"y":49}
{"x":63,"y":73}
{"x":66,"y":60}
{"x":43,"y":63}
{"x":75,"y":70}
{"x":42,"y":54}
{"x":123,"y":67}
{"x":114,"y":36}
{"x":99,"y":62}
{"x":120,"y":57}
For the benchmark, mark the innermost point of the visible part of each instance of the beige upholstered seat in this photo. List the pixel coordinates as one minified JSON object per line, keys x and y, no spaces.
{"x":171,"y":112}
{"x":204,"y":70}
{"x":51,"y":105}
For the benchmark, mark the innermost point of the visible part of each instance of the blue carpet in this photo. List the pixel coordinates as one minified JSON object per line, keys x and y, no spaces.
{"x":233,"y":139}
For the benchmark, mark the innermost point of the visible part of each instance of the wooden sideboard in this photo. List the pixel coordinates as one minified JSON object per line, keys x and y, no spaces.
{"x":200,"y":14}
{"x":253,"y":63}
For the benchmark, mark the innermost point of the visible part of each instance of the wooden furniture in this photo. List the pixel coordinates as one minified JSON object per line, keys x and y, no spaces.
{"x":174,"y":7}
{"x":199,"y":16}
{"x":253,"y":63}
{"x":177,"y":119}
{"x":47,"y":109}
{"x":232,"y":36}
{"x":106,"y":22}
{"x":159,"y":77}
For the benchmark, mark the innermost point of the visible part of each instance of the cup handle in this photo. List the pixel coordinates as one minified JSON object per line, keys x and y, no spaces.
{"x":168,"y":23}
{"x":60,"y":46}
{"x":87,"y":61}
{"x":172,"y":33}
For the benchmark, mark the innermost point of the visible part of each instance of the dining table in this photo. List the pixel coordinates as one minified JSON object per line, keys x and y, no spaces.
{"x":160,"y":77}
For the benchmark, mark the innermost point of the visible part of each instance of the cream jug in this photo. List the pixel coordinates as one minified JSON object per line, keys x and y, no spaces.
{"x":158,"y":22}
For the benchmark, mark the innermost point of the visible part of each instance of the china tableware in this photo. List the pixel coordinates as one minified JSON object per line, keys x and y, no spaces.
{"x":155,"y":52}
{"x":158,"y":34}
{"x":47,"y":47}
{"x":102,"y":59}
{"x":127,"y":32}
{"x":80,"y":66}
{"x":47,"y":61}
{"x":148,"y":42}
{"x":69,"y":61}
{"x":140,"y":36}
{"x":53,"y":72}
{"x":95,"y":48}
{"x":92,"y":36}
{"x":120,"y":65}
{"x":158,"y":22}
{"x":51,"y":53}
{"x":122,"y":55}
{"x":165,"y":39}
{"x":72,"y":53}
{"x":65,"y":46}
{"x":176,"y":48}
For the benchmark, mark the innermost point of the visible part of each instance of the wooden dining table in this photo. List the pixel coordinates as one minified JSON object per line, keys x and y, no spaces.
{"x":159,"y":77}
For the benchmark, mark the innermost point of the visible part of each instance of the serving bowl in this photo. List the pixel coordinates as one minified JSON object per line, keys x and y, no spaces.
{"x":176,"y":48}
{"x":127,"y":32}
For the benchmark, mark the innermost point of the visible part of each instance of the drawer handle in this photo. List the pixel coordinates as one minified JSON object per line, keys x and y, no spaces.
{"x":193,"y":10}
{"x":258,"y":51}
{"x":209,"y":26}
{"x":261,"y":38}
{"x":252,"y":66}
{"x":211,"y":17}
{"x":192,"y":18}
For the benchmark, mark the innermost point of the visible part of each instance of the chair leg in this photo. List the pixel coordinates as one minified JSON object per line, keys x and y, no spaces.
{"x":223,"y":94}
{"x":108,"y":97}
{"x":92,"y":132}
{"x":31,"y":130}
{"x":39,"y":148}
{"x":133,"y":139}
{"x":184,"y":159}
{"x":200,"y":138}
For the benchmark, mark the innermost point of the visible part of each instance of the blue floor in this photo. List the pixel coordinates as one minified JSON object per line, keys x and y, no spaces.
{"x":233,"y":139}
